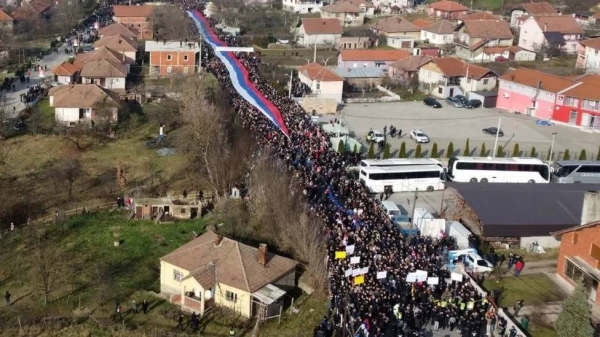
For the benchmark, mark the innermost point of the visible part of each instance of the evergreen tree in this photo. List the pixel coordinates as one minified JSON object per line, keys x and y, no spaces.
{"x":598,"y":155}
{"x":418,"y":153}
{"x":566,"y":155}
{"x":483,"y":151}
{"x":516,"y":150}
{"x":371,"y":153}
{"x":467,"y":149}
{"x":450,"y":150}
{"x":434,"y":151}
{"x":575,"y":315}
{"x":583,"y":155}
{"x":341,"y":147}
{"x":533,"y":153}
{"x":402,"y":152}
{"x":355,"y":150}
{"x":386,"y":151}
{"x":500,"y":152}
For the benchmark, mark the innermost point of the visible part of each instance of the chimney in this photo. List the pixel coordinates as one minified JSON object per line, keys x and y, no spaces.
{"x":262,"y":254}
{"x":218,"y":240}
{"x":591,"y":207}
{"x":545,"y":27}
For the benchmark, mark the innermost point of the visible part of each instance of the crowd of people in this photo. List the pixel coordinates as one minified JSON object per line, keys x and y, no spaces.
{"x":373,"y":306}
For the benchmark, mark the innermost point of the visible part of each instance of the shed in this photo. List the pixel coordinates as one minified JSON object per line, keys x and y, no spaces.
{"x":161,"y":209}
{"x":487,"y":98}
{"x":364,"y":77}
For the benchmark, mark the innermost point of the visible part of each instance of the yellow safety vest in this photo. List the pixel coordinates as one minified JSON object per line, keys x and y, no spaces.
{"x":462,"y":306}
{"x":443,"y":304}
{"x":470,"y":305}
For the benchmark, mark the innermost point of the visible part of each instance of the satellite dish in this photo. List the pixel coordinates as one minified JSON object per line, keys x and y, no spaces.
{"x":208,"y":294}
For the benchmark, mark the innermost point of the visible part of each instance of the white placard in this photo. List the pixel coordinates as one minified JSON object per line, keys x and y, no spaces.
{"x":448,"y":280}
{"x":421,"y":277}
{"x":364,"y":270}
{"x":356,"y":259}
{"x":421,"y":272}
{"x":348,"y":272}
{"x":381,"y":274}
{"x":457,"y":277}
{"x":356,"y":272}
{"x":433,"y":280}
{"x":350,"y":250}
{"x":411,"y":277}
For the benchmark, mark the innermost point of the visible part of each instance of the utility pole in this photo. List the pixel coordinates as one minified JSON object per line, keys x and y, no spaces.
{"x":290,"y":88}
{"x":414,"y":208}
{"x":315,"y":53}
{"x":496,"y":141}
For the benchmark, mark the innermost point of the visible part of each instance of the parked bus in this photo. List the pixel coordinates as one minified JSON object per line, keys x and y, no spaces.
{"x":497,"y":170}
{"x":399,"y":162}
{"x":576,"y":171}
{"x":403,"y":178}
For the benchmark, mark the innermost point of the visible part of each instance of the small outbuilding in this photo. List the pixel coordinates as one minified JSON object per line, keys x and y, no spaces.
{"x":164,"y":209}
{"x":487,"y":98}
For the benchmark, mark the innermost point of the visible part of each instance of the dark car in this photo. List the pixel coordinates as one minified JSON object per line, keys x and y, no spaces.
{"x":493,"y":130}
{"x":432,"y":102}
{"x":472,"y":104}
{"x":462,"y":99}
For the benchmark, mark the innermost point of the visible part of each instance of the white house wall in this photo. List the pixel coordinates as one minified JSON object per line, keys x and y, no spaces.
{"x":66,"y":115}
{"x":437,"y":39}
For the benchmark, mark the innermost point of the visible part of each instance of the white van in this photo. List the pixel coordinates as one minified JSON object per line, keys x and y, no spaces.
{"x":477,"y":264}
{"x":390,"y":208}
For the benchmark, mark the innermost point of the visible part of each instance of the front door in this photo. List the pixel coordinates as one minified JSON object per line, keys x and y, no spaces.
{"x":573,"y":117}
{"x":451,"y":92}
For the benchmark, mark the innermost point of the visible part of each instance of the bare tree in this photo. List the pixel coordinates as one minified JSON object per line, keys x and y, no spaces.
{"x":66,"y":14}
{"x":34,"y":121}
{"x":49,"y":270}
{"x":76,"y":135}
{"x":68,"y":172}
{"x":170,"y":22}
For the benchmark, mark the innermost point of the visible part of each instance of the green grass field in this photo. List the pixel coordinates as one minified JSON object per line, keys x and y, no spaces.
{"x":529,"y":288}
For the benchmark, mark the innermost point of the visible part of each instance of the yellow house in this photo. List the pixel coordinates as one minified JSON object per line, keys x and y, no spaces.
{"x":214,"y":270}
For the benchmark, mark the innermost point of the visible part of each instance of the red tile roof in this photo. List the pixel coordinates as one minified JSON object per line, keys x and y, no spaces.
{"x":144,"y":11}
{"x":395,"y":24}
{"x":440,"y":27}
{"x":373,"y":55}
{"x":564,"y":24}
{"x":453,"y":67}
{"x":592,"y":43}
{"x":448,"y":6}
{"x":537,"y":8}
{"x":531,"y":78}
{"x":315,"y":71}
{"x":316,"y":26}
{"x":421,"y":22}
{"x":347,"y":6}
{"x":493,"y":29}
{"x":412,"y":63}
{"x":117,"y":29}
{"x":584,"y":91}
{"x":5,"y":17}
{"x":478,"y":16}
{"x":65,"y":69}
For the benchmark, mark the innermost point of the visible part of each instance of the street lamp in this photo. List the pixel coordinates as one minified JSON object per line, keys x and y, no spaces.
{"x":497,"y":135}
{"x":552,"y":147}
{"x":291,"y":75}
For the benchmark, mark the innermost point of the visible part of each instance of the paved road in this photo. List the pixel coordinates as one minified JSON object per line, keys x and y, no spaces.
{"x":14,"y":98}
{"x":456,"y":125}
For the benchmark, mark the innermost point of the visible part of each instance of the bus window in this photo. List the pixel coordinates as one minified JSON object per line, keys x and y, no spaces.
{"x":564,"y":171}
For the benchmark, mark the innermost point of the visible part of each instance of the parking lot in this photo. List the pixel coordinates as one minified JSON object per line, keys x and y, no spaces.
{"x":455,"y":125}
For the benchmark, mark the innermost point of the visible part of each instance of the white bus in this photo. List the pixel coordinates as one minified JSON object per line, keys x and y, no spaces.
{"x":576,"y":171}
{"x":399,"y":162}
{"x":402,"y":178}
{"x":497,"y":170}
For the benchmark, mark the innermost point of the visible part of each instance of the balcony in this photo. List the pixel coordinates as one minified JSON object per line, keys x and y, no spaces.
{"x":453,"y":81}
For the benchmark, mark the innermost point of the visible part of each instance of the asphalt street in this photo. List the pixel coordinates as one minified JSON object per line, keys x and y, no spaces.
{"x":456,"y":125}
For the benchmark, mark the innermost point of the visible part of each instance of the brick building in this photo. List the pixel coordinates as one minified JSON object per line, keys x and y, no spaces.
{"x":579,"y":254}
{"x":136,"y":18}
{"x":173,"y":57}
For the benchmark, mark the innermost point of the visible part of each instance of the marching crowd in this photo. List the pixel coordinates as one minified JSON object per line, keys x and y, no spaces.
{"x":387,"y":306}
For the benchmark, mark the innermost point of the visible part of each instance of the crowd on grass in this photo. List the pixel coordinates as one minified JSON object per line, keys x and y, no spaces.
{"x":367,"y":305}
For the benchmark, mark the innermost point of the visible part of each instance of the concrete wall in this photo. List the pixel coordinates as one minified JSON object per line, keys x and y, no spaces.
{"x":517,"y":97}
{"x":591,"y":207}
{"x":66,"y":115}
{"x":437,"y":39}
{"x":544,"y":241}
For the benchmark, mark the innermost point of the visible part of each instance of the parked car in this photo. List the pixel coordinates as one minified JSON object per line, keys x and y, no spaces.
{"x":455,"y":102}
{"x":419,"y":136}
{"x":493,"y":130}
{"x":378,"y":136}
{"x":473,"y":103}
{"x":432,"y":102}
{"x":462,"y":99}
{"x":477,"y":264}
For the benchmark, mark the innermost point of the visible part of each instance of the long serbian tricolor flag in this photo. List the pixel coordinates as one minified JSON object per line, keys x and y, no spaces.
{"x":238,"y":73}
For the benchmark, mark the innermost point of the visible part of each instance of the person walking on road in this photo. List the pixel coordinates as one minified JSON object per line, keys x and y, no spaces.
{"x":7,"y":297}
{"x":519,"y":266}
{"x":517,"y":307}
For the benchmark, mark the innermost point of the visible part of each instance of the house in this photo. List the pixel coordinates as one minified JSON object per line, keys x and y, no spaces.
{"x":173,"y":57}
{"x":6,"y":21}
{"x":584,"y":18}
{"x":365,"y":77}
{"x":212,"y":270}
{"x":33,"y":9}
{"x":320,"y":32}
{"x":302,"y":7}
{"x":588,"y":55}
{"x":135,"y":17}
{"x":87,"y":103}
{"x":561,"y":31}
{"x":421,"y":23}
{"x":393,"y":6}
{"x":406,"y":70}
{"x":350,"y":13}
{"x":557,"y":207}
{"x":116,"y":28}
{"x":399,"y":31}
{"x":530,"y":92}
{"x":445,"y":9}
{"x":66,"y":73}
{"x":485,"y":16}
{"x":356,"y":42}
{"x":104,"y":73}
{"x":323,"y":82}
{"x":579,"y":104}
{"x":472,"y":37}
{"x":527,"y":9}
{"x":512,"y":53}
{"x":165,"y":209}
{"x":370,"y":58}
{"x":579,"y":252}
{"x":439,"y":33}
{"x":447,"y":76}
{"x":119,"y":44}
{"x":103,"y":53}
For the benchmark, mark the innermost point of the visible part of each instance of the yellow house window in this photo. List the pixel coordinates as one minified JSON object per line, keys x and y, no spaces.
{"x":230,"y":296}
{"x":177,"y":275}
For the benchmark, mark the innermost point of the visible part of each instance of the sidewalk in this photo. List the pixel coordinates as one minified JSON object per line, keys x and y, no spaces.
{"x":14,"y":98}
